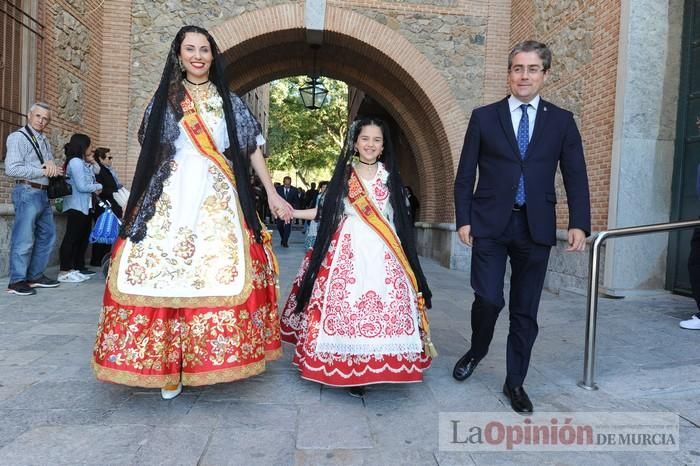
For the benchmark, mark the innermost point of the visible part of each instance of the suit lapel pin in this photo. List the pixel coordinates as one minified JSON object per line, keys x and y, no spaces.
{"x":545,"y":108}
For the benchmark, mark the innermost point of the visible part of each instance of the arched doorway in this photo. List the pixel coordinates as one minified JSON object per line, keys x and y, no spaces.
{"x":270,"y":43}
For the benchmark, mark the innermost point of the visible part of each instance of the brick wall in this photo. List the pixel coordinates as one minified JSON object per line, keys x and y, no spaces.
{"x":115,"y":91}
{"x":73,"y":79}
{"x":583,"y":36}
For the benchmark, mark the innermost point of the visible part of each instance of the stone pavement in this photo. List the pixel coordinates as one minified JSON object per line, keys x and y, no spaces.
{"x":53,"y":411}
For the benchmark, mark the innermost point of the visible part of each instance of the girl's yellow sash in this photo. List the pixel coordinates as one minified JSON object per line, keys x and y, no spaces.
{"x":369,"y":213}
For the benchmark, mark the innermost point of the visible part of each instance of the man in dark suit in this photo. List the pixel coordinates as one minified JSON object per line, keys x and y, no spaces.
{"x":516,"y":144}
{"x":310,"y":197}
{"x":291,"y":195}
{"x":309,"y":202}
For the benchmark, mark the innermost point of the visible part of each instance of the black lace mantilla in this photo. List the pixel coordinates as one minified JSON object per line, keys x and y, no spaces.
{"x":247,"y":130}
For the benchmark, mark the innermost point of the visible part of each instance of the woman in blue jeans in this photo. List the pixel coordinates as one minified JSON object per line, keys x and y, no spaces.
{"x":79,"y":171}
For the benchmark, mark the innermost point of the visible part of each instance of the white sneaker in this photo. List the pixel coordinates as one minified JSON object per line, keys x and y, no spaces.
{"x":82,"y":275}
{"x":691,"y":324}
{"x":71,"y":277}
{"x":170,"y":394}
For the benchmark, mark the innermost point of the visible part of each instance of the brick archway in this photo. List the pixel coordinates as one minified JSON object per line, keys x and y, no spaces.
{"x":268,"y":44}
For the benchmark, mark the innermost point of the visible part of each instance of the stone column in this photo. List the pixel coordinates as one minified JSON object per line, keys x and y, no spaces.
{"x":315,"y":20}
{"x":643,"y":144}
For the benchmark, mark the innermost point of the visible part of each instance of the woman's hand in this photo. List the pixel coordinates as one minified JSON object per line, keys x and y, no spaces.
{"x":279,"y":207}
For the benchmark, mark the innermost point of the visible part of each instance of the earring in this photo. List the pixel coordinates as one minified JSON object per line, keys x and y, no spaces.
{"x":356,"y":154}
{"x":179,"y":63}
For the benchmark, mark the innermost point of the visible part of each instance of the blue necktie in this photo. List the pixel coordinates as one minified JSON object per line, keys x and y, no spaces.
{"x":523,"y":141}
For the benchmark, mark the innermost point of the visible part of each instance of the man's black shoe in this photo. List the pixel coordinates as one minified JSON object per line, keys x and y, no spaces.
{"x":464,"y":367}
{"x":357,"y":391}
{"x":519,"y":400}
{"x":43,"y":282}
{"x":21,"y":288}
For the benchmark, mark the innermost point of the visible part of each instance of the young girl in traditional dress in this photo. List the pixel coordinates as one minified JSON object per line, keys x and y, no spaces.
{"x":191,"y":295}
{"x":356,"y":313}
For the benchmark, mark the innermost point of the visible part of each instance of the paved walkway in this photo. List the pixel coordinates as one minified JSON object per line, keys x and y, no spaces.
{"x":53,"y":411}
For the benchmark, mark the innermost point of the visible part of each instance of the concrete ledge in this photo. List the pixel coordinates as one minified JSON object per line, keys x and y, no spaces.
{"x":569,"y":270}
{"x":439,"y":241}
{"x":566,"y":270}
{"x":7,"y":219}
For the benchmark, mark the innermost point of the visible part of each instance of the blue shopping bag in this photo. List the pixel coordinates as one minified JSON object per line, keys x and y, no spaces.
{"x":106,"y":228}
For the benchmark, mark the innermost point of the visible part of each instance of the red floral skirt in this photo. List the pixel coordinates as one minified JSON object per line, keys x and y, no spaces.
{"x":341,"y":370}
{"x":148,"y":346}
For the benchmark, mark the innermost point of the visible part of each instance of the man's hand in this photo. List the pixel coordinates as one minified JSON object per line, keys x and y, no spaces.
{"x":51,"y":170}
{"x":465,"y":236}
{"x":577,"y":240}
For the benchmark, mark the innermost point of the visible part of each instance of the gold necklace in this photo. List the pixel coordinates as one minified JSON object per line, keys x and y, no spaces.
{"x":199,"y":92}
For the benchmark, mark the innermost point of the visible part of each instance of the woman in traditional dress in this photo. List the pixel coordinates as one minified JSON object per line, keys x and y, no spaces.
{"x":191,"y":296}
{"x":356,"y":313}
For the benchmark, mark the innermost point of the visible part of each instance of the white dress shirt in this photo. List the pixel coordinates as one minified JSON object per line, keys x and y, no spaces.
{"x":516,"y":114}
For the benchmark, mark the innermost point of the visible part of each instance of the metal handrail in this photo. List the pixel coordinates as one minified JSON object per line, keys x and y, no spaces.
{"x":594,"y":272}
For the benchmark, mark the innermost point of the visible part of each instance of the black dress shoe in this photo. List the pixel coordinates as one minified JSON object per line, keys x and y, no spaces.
{"x":519,"y":400}
{"x":357,"y":391}
{"x":464,"y":367}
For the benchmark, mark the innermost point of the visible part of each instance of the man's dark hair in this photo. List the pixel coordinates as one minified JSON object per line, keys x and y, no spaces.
{"x":532,"y":46}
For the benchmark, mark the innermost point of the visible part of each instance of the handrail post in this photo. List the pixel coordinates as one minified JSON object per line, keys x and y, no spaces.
{"x":593,"y":275}
{"x":592,"y":313}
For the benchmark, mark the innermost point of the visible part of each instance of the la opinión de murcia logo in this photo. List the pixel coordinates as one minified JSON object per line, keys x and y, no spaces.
{"x":559,"y":432}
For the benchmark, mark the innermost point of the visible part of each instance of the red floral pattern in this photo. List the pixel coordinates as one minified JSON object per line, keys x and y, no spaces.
{"x":380,"y":192}
{"x":302,"y":329}
{"x":153,"y":347}
{"x":369,"y":316}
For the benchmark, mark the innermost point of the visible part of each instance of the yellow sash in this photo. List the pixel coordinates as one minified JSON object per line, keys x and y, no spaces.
{"x":199,"y":134}
{"x":201,"y":138}
{"x":369,"y":213}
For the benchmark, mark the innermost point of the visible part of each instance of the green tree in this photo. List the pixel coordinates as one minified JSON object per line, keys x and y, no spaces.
{"x":305,"y":140}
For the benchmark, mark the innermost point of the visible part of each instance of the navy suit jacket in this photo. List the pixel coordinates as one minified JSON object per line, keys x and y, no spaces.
{"x":292,"y":197}
{"x":490,"y":145}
